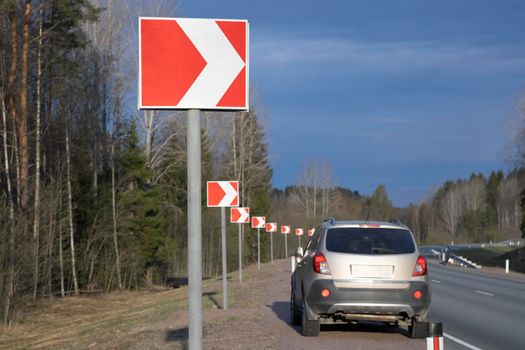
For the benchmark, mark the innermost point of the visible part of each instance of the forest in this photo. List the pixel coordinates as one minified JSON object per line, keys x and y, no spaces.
{"x":93,"y":191}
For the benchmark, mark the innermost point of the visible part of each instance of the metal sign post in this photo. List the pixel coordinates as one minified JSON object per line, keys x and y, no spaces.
{"x":271,"y":227}
{"x":193,"y":64}
{"x":258,"y":249}
{"x":224,"y":262}
{"x":258,"y":222}
{"x":299,"y":232}
{"x":240,"y":253}
{"x":286,"y":246}
{"x":194,"y":231}
{"x":285,"y":230}
{"x":223,"y":194}
{"x":271,"y":247}
{"x":240,"y":216}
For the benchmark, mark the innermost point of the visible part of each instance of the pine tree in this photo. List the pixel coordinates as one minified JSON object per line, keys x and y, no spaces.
{"x":142,"y":223}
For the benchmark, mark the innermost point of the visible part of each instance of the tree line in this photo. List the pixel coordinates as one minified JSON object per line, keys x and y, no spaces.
{"x":93,"y":192}
{"x":477,"y":209}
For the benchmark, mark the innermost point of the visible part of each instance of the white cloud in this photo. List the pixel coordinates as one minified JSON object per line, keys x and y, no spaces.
{"x":387,"y":56}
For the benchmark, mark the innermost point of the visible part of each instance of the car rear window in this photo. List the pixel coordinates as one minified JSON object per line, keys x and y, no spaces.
{"x":357,"y":240}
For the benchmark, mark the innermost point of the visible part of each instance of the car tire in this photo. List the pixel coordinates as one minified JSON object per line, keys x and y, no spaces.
{"x":295,"y":315}
{"x":310,"y":328}
{"x":418,"y":329}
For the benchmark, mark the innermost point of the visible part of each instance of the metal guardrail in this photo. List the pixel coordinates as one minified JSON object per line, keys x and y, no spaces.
{"x":461,"y":261}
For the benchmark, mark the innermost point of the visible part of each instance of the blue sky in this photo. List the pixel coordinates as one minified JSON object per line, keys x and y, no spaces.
{"x":402,"y":93}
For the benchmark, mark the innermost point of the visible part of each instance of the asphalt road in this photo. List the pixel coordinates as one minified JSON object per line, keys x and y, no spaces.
{"x":480,"y":310}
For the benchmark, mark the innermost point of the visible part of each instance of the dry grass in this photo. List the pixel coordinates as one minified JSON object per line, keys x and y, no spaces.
{"x":125,"y":320}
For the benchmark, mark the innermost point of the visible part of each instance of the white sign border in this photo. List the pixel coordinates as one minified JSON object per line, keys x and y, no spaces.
{"x":245,"y":108}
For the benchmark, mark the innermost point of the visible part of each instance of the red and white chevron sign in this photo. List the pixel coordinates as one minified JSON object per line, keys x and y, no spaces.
{"x":192,"y":63}
{"x":299,"y":232}
{"x":223,"y":193}
{"x":239,"y":215}
{"x":258,"y":221}
{"x":311,"y":232}
{"x":271,"y":227}
{"x":285,"y":230}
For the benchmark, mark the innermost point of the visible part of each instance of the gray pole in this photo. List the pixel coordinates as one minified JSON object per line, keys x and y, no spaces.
{"x":285,"y":246}
{"x":271,"y":247}
{"x":224,"y":265}
{"x":240,"y":253}
{"x":299,"y":240}
{"x":258,"y":249}
{"x":194,"y":232}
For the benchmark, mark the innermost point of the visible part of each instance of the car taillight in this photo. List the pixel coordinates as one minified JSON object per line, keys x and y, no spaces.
{"x":421,"y":267}
{"x":320,"y":264}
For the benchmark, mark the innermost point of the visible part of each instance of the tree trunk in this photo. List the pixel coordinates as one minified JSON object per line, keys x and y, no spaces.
{"x":36,"y":214}
{"x":114,"y":210}
{"x":11,"y":204}
{"x":22,"y":120}
{"x":11,"y":77}
{"x":70,"y":211}
{"x":60,"y":249}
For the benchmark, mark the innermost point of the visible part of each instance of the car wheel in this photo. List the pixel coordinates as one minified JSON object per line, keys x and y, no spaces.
{"x":418,"y":329}
{"x":310,"y":327}
{"x":295,"y":316}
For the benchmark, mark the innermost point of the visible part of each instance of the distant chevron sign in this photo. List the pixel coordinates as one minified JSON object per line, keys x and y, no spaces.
{"x":239,"y":215}
{"x":271,"y":227}
{"x":258,"y":221}
{"x":192,"y":63}
{"x":222,"y":193}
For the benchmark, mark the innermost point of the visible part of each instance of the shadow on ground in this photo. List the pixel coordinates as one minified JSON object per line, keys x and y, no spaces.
{"x":211,"y":296}
{"x":179,"y":335}
{"x":282,"y":311}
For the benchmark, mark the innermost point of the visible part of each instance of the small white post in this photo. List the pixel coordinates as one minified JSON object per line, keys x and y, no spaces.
{"x":435,"y":336}
{"x":293,"y":263}
{"x":507,"y":266}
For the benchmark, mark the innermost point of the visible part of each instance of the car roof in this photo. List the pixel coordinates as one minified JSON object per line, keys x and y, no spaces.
{"x":365,"y":224}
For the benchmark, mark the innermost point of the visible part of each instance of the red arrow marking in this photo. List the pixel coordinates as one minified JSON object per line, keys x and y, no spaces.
{"x":215,"y":193}
{"x":167,"y":77}
{"x":236,"y":215}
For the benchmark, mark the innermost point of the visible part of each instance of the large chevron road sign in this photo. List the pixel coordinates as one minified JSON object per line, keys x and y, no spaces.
{"x":191,"y":63}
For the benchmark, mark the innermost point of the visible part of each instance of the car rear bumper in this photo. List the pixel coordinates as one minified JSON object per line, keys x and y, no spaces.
{"x":370,"y":301}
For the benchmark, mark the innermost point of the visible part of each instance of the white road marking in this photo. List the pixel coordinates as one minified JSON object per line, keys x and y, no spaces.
{"x":461,"y":342}
{"x":436,"y":281}
{"x":484,"y":293}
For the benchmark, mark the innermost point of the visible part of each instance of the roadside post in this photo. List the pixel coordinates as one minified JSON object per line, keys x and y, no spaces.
{"x":435,"y":336}
{"x":223,"y":194}
{"x":506,"y":265}
{"x":240,"y":216}
{"x":193,"y":64}
{"x":271,"y":227}
{"x":258,"y":222}
{"x":285,"y":230}
{"x":299,"y":232}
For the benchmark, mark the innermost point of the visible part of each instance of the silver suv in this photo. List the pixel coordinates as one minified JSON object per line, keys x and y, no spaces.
{"x":355,"y":271}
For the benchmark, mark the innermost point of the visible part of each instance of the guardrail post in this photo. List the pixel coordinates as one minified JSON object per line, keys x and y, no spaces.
{"x":435,"y":336}
{"x":507,"y":266}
